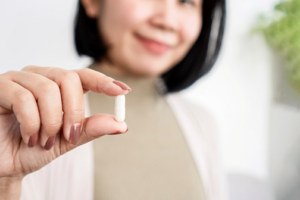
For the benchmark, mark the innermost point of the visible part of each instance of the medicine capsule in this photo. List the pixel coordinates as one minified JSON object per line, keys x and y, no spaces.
{"x":120,"y":108}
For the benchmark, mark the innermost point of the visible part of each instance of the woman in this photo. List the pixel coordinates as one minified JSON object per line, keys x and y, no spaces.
{"x":168,"y":152}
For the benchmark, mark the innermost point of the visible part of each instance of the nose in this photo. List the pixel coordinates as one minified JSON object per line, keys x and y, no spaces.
{"x":166,"y":16}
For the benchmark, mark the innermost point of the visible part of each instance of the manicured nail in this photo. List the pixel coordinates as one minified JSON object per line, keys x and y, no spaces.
{"x":75,"y":133}
{"x":122,"y":85}
{"x":118,"y":133}
{"x":33,"y":140}
{"x":50,"y":142}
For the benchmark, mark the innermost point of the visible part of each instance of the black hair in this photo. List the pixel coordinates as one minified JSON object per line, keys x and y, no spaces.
{"x":198,"y":62}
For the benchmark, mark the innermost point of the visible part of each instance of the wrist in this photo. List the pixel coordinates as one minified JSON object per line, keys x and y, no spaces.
{"x":10,"y":188}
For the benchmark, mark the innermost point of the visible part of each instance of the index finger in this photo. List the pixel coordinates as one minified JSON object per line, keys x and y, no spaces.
{"x":90,"y":80}
{"x":100,"y":83}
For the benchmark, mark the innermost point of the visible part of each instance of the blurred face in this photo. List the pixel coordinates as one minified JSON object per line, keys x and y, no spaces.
{"x":147,"y":37}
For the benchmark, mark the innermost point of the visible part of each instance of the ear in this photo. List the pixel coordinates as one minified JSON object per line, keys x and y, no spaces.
{"x":91,"y":7}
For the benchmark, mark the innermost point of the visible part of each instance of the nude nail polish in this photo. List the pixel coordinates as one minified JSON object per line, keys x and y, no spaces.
{"x":122,"y":85}
{"x":118,"y":133}
{"x":33,"y":140}
{"x":50,"y":142}
{"x":75,"y":133}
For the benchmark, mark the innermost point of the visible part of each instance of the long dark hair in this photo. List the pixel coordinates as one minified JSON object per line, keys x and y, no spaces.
{"x":198,"y":62}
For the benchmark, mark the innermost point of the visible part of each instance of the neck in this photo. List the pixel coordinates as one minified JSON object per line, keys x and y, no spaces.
{"x":116,"y":70}
{"x":119,"y":73}
{"x":111,"y":68}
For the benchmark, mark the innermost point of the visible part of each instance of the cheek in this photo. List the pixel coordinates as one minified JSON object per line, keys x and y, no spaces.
{"x":117,"y":21}
{"x":191,"y":29}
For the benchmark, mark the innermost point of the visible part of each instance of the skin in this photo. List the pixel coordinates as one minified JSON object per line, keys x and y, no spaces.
{"x":175,"y":24}
{"x":157,"y":32}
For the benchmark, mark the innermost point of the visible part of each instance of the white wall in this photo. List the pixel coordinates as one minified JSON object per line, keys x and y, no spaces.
{"x":237,"y":91}
{"x":39,"y":33}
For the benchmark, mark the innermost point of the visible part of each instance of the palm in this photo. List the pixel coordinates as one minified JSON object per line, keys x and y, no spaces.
{"x":16,"y":157}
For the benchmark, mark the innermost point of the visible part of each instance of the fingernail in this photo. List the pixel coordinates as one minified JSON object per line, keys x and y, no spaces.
{"x":118,"y":133}
{"x":75,"y":133}
{"x":122,"y":85}
{"x":33,"y":140}
{"x":50,"y":142}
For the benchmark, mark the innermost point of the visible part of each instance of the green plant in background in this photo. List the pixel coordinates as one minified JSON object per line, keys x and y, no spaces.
{"x":282,"y":31}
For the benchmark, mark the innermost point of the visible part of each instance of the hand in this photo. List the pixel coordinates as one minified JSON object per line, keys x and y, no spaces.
{"x":41,"y":108}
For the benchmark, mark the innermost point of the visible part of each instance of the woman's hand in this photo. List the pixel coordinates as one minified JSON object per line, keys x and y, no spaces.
{"x":42,"y":116}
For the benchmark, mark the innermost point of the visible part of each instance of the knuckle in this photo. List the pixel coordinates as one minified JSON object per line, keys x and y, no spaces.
{"x":70,"y":76}
{"x":6,"y":75}
{"x":49,"y":87}
{"x":33,"y":125}
{"x":85,"y":70}
{"x":27,"y":68}
{"x":24,"y":97}
{"x":54,"y":125}
{"x":9,"y":73}
{"x":77,"y":112}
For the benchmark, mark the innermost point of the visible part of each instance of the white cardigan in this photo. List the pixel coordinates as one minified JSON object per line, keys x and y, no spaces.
{"x":71,"y":176}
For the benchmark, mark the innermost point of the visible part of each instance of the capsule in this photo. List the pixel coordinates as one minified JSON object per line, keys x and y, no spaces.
{"x":120,"y":108}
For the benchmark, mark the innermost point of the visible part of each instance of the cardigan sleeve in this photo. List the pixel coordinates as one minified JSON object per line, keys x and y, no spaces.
{"x":200,"y":130}
{"x":71,"y":176}
{"x":68,"y":177}
{"x":207,"y":126}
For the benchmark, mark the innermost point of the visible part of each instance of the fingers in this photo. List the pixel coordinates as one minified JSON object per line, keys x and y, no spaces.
{"x":100,"y":83}
{"x":95,"y":127}
{"x":38,"y":97}
{"x":72,"y":84}
{"x":73,"y":104}
{"x":72,"y":98}
{"x":22,"y":102}
{"x":90,"y":80}
{"x":47,"y":95}
{"x":102,"y":124}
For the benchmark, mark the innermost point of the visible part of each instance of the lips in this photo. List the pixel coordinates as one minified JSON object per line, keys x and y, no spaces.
{"x":153,"y":46}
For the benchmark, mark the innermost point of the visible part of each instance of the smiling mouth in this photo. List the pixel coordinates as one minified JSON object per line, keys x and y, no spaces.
{"x":152,"y":45}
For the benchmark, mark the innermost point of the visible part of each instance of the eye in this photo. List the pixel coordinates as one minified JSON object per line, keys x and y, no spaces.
{"x":188,"y":2}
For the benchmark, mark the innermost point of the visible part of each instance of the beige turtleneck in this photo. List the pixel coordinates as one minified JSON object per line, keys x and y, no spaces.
{"x":152,"y":160}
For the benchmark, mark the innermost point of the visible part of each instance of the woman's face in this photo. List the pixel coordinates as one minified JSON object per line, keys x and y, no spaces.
{"x":147,"y":37}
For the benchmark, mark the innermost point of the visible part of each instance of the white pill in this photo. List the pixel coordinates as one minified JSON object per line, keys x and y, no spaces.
{"x":120,"y":108}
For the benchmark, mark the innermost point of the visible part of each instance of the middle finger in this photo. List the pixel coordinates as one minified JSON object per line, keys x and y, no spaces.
{"x":48,"y":98}
{"x":72,"y":98}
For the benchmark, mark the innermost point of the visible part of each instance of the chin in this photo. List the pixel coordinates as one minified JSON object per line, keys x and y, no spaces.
{"x":149,"y":70}
{"x":148,"y":67}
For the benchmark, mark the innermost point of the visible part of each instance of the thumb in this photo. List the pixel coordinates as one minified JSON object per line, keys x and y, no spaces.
{"x":96,"y":126}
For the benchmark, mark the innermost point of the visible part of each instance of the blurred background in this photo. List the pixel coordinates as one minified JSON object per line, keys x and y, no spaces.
{"x":248,"y":91}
